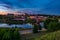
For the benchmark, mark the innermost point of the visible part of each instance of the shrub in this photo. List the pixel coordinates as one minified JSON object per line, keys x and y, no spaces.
{"x":6,"y":36}
{"x":58,"y":25}
{"x":32,"y":21}
{"x":52,"y":24}
{"x":35,"y":28}
{"x":48,"y":20}
{"x":15,"y":35}
{"x":9,"y":34}
{"x":2,"y":31}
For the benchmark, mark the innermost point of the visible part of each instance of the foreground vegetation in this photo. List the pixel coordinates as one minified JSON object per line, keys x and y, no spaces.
{"x":50,"y":36}
{"x":9,"y":34}
{"x":52,"y":25}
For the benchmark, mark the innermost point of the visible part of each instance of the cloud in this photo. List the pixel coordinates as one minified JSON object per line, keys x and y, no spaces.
{"x":52,"y":8}
{"x":26,"y":3}
{"x":33,"y":6}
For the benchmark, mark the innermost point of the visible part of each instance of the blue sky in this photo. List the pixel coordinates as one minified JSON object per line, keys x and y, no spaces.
{"x":34,"y":6}
{"x":26,"y":3}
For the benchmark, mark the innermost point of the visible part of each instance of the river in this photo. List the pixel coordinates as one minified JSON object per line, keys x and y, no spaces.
{"x":16,"y":25}
{"x":4,"y":25}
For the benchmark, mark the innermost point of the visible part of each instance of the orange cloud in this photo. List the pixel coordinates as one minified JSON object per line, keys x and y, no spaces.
{"x":3,"y":12}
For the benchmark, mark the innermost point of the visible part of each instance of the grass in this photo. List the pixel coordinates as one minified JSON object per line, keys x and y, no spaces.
{"x":50,"y":36}
{"x":33,"y":35}
{"x":9,"y":34}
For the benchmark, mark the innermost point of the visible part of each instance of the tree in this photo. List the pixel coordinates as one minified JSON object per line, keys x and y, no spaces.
{"x":31,"y":21}
{"x":36,"y":25}
{"x":35,"y":28}
{"x":48,"y":20}
{"x":52,"y":26}
{"x":39,"y":26}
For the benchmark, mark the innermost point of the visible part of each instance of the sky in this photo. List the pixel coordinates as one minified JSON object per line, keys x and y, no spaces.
{"x":51,"y":7}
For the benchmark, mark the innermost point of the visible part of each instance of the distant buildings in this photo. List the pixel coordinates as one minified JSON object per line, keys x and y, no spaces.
{"x":40,"y":18}
{"x":10,"y":14}
{"x":24,"y":16}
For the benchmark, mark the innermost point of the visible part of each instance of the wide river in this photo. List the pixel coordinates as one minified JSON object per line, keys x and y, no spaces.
{"x":19,"y":25}
{"x":4,"y":25}
{"x":16,"y":25}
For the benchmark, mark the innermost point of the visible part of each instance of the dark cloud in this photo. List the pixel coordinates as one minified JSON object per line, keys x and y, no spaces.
{"x":52,"y":8}
{"x":26,"y":3}
{"x":45,"y":6}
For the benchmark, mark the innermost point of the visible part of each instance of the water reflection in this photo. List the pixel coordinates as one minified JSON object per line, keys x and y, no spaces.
{"x":28,"y":25}
{"x":16,"y":25}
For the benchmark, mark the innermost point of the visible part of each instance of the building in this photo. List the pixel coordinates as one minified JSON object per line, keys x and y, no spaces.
{"x":10,"y":14}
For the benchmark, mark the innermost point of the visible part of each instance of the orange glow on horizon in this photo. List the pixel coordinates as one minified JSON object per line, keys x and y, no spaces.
{"x":6,"y":12}
{"x":3,"y":13}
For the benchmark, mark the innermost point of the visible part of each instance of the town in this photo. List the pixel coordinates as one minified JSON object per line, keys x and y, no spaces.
{"x":21,"y":18}
{"x":29,"y":19}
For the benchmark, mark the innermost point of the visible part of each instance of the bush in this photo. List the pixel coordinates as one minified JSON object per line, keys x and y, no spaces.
{"x":35,"y":28}
{"x":2,"y":31}
{"x":52,"y":24}
{"x":48,"y":20}
{"x":32,"y":21}
{"x":9,"y":34}
{"x":58,"y":25}
{"x":50,"y":36}
{"x":15,"y":35}
{"x":6,"y":36}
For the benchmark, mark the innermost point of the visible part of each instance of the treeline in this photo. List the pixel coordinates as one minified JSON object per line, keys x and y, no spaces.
{"x":52,"y":24}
